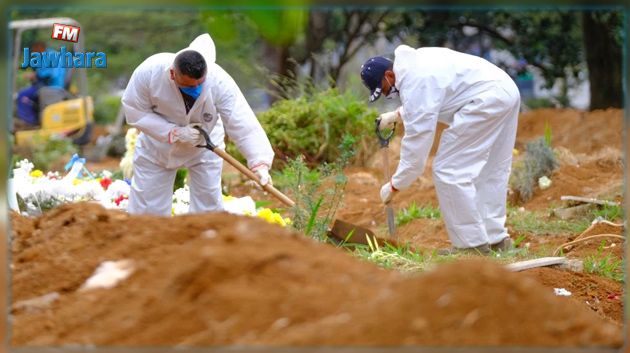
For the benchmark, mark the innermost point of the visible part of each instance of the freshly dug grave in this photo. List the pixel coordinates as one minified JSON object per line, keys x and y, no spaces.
{"x":219,"y":279}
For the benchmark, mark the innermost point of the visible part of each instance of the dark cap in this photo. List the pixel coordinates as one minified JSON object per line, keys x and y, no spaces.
{"x":372,"y":73}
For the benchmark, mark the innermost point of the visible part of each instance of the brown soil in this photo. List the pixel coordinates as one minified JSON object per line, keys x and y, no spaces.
{"x":603,"y":296}
{"x":252,"y":283}
{"x":219,"y":279}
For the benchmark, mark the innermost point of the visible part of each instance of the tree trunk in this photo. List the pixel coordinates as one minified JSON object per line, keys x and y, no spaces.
{"x":604,"y":58}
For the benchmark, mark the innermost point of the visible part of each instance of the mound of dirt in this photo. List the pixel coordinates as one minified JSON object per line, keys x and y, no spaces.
{"x":602,"y":295}
{"x":220,"y":279}
{"x":579,"y":131}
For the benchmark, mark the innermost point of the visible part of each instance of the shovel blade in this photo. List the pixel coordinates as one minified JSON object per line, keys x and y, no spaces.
{"x":341,"y":230}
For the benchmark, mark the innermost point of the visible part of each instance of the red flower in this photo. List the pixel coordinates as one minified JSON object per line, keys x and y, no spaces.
{"x":119,"y":199}
{"x":105,"y":183}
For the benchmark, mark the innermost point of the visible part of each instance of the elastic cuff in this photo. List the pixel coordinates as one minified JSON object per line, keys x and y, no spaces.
{"x":253,"y":168}
{"x":391,"y":183}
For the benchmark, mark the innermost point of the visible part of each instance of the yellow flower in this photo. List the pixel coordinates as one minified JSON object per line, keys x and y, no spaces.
{"x":228,"y":198}
{"x":514,"y":152}
{"x":266,"y":214}
{"x":273,"y":217}
{"x":77,"y":181}
{"x":37,"y":173}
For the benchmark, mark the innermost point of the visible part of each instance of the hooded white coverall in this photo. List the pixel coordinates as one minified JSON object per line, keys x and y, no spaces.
{"x":480,"y":103}
{"x":154,"y":105}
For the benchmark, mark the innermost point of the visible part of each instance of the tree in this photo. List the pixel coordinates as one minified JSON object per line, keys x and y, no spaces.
{"x":602,"y":41}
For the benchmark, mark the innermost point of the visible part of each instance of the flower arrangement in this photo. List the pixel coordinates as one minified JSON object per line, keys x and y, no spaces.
{"x":41,"y":191}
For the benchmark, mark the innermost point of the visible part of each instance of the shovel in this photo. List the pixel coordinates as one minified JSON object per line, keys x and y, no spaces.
{"x":384,"y":142}
{"x":243,"y":169}
{"x":341,"y":231}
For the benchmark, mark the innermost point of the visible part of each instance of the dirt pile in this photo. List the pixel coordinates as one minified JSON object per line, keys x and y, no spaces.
{"x":219,"y":279}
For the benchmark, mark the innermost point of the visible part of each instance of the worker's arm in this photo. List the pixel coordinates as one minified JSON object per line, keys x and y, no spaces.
{"x":421,"y":103}
{"x":137,"y":107}
{"x":241,"y":124}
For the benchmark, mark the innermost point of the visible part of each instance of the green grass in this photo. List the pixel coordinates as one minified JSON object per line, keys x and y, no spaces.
{"x":412,"y":212}
{"x":609,"y":212}
{"x":537,"y":224}
{"x":604,"y":265}
{"x":405,"y":259}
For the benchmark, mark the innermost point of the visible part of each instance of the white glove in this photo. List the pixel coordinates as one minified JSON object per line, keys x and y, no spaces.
{"x":387,"y":192}
{"x":262,"y":171}
{"x":185,"y":134}
{"x":387,"y":120}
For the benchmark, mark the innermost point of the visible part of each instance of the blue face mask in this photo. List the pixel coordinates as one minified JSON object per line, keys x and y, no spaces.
{"x":194,"y":92}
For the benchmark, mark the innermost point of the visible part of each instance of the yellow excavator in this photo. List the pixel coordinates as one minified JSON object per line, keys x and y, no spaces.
{"x":60,"y":112}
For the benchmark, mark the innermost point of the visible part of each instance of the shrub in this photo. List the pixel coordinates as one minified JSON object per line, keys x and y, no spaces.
{"x":52,"y":153}
{"x":539,"y":161}
{"x":106,"y":109}
{"x":313,"y":126}
{"x":317,"y":192}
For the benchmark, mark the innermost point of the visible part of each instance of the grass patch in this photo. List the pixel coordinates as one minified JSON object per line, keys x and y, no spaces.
{"x":609,"y":212}
{"x":537,"y":224}
{"x":412,"y":212}
{"x":604,"y":265}
{"x":401,"y":258}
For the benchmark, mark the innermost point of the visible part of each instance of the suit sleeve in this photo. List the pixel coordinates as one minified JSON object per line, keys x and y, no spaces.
{"x":241,"y":124}
{"x":138,"y":108}
{"x":421,"y":101}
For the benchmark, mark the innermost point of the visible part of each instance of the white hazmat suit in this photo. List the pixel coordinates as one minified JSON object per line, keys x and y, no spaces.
{"x":480,"y":103}
{"x":154,"y":105}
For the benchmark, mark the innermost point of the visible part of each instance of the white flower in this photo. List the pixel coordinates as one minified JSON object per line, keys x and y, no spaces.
{"x":544,"y":182}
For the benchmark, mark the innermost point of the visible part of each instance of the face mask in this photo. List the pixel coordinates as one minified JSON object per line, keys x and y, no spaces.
{"x":393,"y":91}
{"x":194,"y":92}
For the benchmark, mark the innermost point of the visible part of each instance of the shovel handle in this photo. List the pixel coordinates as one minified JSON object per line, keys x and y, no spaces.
{"x":248,"y":173}
{"x":243,"y":169}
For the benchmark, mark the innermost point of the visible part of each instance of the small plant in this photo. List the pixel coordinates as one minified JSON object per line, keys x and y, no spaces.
{"x":547,"y":133}
{"x":539,"y":161}
{"x":317,"y":192}
{"x":401,"y":258}
{"x":537,"y":224}
{"x":412,"y":212}
{"x":609,"y":212}
{"x":607,"y":266}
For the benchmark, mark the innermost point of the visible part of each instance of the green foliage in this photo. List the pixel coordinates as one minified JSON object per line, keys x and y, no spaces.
{"x":49,"y":152}
{"x":401,"y":258}
{"x":538,"y":103}
{"x":539,"y":161}
{"x":547,"y":133}
{"x":412,"y":212}
{"x":537,"y":224}
{"x":106,"y":109}
{"x":313,"y":126}
{"x":317,"y":192}
{"x":180,"y":179}
{"x":605,"y":265}
{"x":609,"y":212}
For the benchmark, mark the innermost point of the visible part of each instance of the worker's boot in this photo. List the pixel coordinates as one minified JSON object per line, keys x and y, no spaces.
{"x":483,"y":249}
{"x":506,"y":244}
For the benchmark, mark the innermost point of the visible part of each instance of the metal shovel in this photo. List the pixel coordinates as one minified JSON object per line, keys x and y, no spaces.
{"x":243,"y":169}
{"x":341,"y":231}
{"x":384,"y":142}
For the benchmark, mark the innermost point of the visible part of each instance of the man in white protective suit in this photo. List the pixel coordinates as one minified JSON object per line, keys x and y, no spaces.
{"x":166,"y":96}
{"x":480,"y":104}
